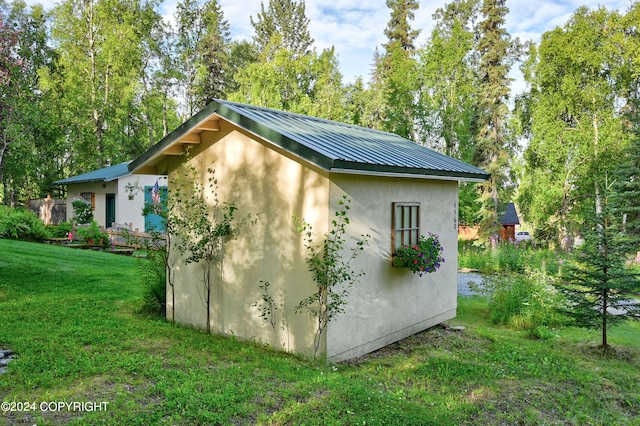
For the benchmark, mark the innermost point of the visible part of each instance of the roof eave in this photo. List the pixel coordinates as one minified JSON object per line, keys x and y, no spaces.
{"x":71,"y":182}
{"x":173,"y":137}
{"x":407,"y":172}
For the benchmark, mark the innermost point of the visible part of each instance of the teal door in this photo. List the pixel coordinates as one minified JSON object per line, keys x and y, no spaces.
{"x":110,"y":215}
{"x":152,"y":221}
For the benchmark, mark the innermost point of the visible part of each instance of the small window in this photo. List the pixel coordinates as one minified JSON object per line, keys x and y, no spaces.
{"x":89,"y":197}
{"x":406,"y":224}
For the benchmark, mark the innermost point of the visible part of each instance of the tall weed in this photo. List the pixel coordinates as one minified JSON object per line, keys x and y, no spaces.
{"x":509,"y":257}
{"x":525,"y":301}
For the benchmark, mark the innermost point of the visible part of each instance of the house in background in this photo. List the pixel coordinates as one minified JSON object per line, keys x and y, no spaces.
{"x":276,"y":166}
{"x":509,"y":220}
{"x":116,"y":196}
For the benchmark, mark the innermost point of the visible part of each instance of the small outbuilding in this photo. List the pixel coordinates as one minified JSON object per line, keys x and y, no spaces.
{"x":116,"y":196}
{"x":276,"y":166}
{"x":509,"y":221}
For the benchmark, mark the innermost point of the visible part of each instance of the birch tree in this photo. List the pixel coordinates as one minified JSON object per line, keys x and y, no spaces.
{"x":577,"y":132}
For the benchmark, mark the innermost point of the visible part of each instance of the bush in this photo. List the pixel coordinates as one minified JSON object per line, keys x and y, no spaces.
{"x":524,"y":302}
{"x":20,"y":224}
{"x":92,"y":234}
{"x":153,"y":276}
{"x":82,"y":212}
{"x":61,"y":230}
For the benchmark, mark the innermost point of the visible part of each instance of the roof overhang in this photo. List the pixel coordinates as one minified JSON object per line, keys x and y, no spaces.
{"x":408,"y":174}
{"x":177,"y":142}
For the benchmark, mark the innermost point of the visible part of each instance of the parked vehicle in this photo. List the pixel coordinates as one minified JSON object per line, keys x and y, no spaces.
{"x":523,"y":236}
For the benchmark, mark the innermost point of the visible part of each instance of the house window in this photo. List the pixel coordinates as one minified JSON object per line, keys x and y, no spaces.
{"x":89,"y":197}
{"x":406,"y":224}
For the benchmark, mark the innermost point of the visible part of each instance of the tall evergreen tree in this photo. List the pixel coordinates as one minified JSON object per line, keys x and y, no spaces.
{"x":203,"y":48}
{"x":397,"y":69}
{"x":494,"y":146}
{"x":448,"y":95}
{"x":289,"y":74}
{"x":626,"y":187}
{"x":159,"y":81}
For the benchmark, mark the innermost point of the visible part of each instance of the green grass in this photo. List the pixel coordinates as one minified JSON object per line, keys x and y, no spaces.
{"x":71,"y":317}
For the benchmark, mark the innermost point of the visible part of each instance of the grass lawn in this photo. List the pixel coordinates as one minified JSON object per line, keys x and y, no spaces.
{"x":71,"y":317}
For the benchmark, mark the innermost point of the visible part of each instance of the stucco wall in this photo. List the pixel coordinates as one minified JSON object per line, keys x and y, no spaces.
{"x":268,"y":189}
{"x":130,"y":211}
{"x":389,"y":304}
{"x":99,"y":213}
{"x":127,"y":211}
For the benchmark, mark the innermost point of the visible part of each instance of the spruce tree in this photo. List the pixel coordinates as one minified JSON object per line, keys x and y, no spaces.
{"x":598,"y":283}
{"x":493,"y":146}
{"x":397,"y":69}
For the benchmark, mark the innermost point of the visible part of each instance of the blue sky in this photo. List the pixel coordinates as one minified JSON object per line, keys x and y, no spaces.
{"x":356,"y":27}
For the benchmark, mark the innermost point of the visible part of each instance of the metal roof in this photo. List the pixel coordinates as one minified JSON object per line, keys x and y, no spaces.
{"x":106,"y":174}
{"x":332,"y":146}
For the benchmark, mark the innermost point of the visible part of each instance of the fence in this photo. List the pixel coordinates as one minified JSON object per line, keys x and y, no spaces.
{"x":52,"y":211}
{"x":123,"y":235}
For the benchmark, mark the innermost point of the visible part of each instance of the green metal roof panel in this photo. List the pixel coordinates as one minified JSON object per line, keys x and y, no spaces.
{"x":106,"y":174}
{"x":330,"y":145}
{"x":341,"y":147}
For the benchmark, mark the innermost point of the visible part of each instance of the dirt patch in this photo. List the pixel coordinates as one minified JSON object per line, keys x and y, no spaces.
{"x":441,"y":336}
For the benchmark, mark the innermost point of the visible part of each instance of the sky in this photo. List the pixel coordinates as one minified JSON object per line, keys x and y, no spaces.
{"x":356,"y":27}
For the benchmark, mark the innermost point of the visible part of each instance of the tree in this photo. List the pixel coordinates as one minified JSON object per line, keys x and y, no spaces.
{"x":332,"y":273}
{"x":10,"y":65}
{"x":599,"y":283}
{"x":201,"y":230}
{"x":96,"y":77}
{"x":288,"y":74}
{"x":449,"y":81}
{"x":397,"y":69}
{"x":29,"y":159}
{"x":626,"y":187}
{"x":286,"y":20}
{"x":159,"y":80}
{"x":494,"y":145}
{"x":577,"y":132}
{"x":202,"y":46}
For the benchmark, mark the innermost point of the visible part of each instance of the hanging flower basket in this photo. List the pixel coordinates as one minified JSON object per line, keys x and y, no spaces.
{"x":422,"y":258}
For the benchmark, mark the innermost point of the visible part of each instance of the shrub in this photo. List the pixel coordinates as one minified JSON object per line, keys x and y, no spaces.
{"x":153,"y":276}
{"x":82,"y":212}
{"x":526,"y":301}
{"x":60,"y":230}
{"x":19,"y":224}
{"x":93,"y":234}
